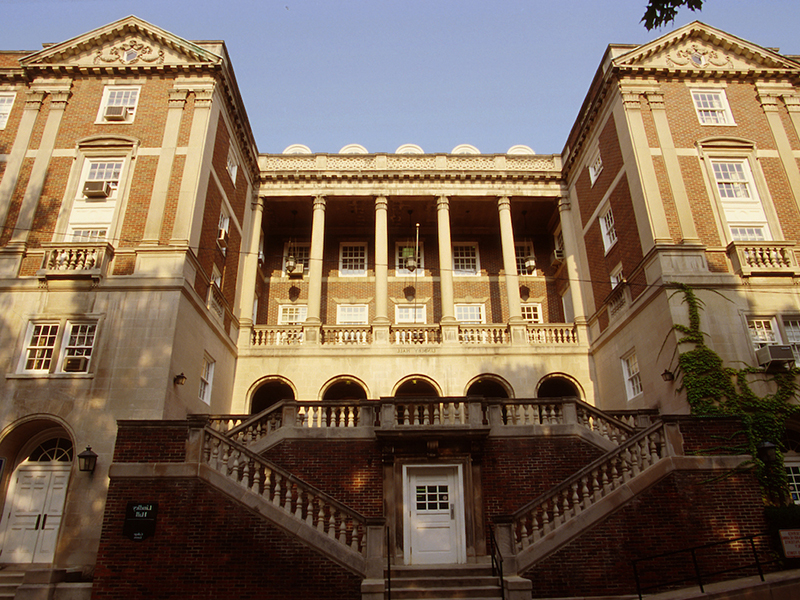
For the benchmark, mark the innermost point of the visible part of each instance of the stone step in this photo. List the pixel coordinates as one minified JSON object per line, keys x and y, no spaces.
{"x":451,"y":582}
{"x":9,"y":582}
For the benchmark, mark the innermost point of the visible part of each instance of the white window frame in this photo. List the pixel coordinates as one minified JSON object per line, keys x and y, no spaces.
{"x":460,"y":257}
{"x":711,"y":107}
{"x":763,"y":331}
{"x":399,"y":259}
{"x":346,"y":263}
{"x":216,"y":277}
{"x":300,"y":251}
{"x":347,"y":314}
{"x":65,"y":337}
{"x":6,"y":104}
{"x":608,"y":229}
{"x":532,"y":312}
{"x":791,"y":463}
{"x":114,"y":90}
{"x":232,"y":165}
{"x":742,"y":208}
{"x":522,"y":250}
{"x":206,"y":379}
{"x":616,"y":276}
{"x":595,"y":166}
{"x":632,"y":374}
{"x":466,"y":319}
{"x":410,"y":314}
{"x":285,"y":316}
{"x":791,"y":330}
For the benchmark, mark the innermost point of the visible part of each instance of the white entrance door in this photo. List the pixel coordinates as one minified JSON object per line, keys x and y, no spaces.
{"x":434,"y":511}
{"x":33,"y":513}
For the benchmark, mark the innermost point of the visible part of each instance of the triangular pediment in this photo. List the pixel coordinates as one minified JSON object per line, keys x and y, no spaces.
{"x":127,"y":43}
{"x":701,"y":48}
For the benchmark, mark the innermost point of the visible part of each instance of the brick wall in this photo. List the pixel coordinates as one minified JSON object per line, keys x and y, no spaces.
{"x":158,"y":441}
{"x":206,"y":546}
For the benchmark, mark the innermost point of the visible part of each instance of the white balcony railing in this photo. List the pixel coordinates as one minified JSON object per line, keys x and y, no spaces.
{"x":72,"y":259}
{"x":420,"y":335}
{"x":763,"y":258}
{"x":277,"y":335}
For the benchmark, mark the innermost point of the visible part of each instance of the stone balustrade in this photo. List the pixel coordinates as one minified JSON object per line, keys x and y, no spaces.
{"x":421,"y":335}
{"x":483,"y":335}
{"x":554,"y":334}
{"x":763,"y":258}
{"x":284,"y":491}
{"x":347,"y":335}
{"x":587,"y":487}
{"x":280,"y":335}
{"x":74,"y":259}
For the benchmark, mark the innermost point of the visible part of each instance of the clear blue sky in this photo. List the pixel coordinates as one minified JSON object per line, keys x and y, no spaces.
{"x":381,"y":73}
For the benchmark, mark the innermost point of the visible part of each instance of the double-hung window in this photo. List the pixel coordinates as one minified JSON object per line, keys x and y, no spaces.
{"x":522,"y":252}
{"x":466,"y":260}
{"x":118,"y":104}
{"x":94,"y":207}
{"x":231,"y":165}
{"x":762,"y":332}
{"x":58,"y":347}
{"x":292,"y":314}
{"x":223,"y":229}
{"x":301,"y":254}
{"x":6,"y":102}
{"x":741,"y":204}
{"x":607,"y":229}
{"x":712,"y":107}
{"x":409,"y":313}
{"x":616,"y":276}
{"x":633,"y":380}
{"x":353,"y":259}
{"x":405,"y":251}
{"x":206,"y":379}
{"x":352,"y":314}
{"x":470,"y":314}
{"x":532,"y":312}
{"x":791,"y":326}
{"x":765,"y":331}
{"x":595,"y":166}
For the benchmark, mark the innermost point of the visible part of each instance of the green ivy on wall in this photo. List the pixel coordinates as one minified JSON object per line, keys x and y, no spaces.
{"x":714,"y":389}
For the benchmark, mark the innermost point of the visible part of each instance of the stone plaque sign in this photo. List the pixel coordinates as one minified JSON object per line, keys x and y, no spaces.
{"x":140,"y":520}
{"x":790,"y":538}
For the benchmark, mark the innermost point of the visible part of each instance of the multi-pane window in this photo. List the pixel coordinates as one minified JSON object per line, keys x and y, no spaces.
{"x":792,"y":328}
{"x":762,"y":332}
{"x":741,"y":204}
{"x":353,"y":259}
{"x":465,"y":259}
{"x":102,"y":179}
{"x":793,"y":475}
{"x":292,"y":314}
{"x":301,"y":254}
{"x":595,"y":167}
{"x":41,"y":347}
{"x":231,"y":165}
{"x":532,"y":312}
{"x":89,"y":236}
{"x":432,"y":498}
{"x":409,"y":313}
{"x":523,"y":251}
{"x":119,"y":104}
{"x":607,"y":229}
{"x":633,"y":381}
{"x":47,"y":352}
{"x":616,"y":276}
{"x":351,"y":314}
{"x":470,"y":314}
{"x":6,"y":102}
{"x":712,"y":107}
{"x":404,"y":251}
{"x":206,"y":379}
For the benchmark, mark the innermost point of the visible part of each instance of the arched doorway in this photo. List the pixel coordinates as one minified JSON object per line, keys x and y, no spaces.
{"x":345,"y":389}
{"x":487,"y":386}
{"x":35,"y":501}
{"x":270,"y":392}
{"x":417,"y":386}
{"x":558,"y":386}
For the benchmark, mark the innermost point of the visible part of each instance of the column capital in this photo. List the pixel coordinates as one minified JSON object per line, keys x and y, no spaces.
{"x":381,"y":203}
{"x":655,"y":100}
{"x":34,"y":99}
{"x":769,"y":101}
{"x":442,"y":203}
{"x":203,"y":98}
{"x":319,"y":202}
{"x":58,"y":100}
{"x":503,"y":203}
{"x":631,"y":101}
{"x":564,"y":204}
{"x":177,"y":98}
{"x":792,"y":103}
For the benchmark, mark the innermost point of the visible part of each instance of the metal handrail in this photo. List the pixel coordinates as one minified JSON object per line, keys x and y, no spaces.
{"x":697,"y":571}
{"x":497,"y":563}
{"x":388,"y":563}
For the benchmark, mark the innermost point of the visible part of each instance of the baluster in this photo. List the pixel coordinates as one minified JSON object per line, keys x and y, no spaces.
{"x":355,"y":539}
{"x":309,"y":509}
{"x":524,"y":534}
{"x":320,"y":516}
{"x":287,"y":503}
{"x":342,"y":532}
{"x":576,"y":501}
{"x":545,"y":527}
{"x":332,"y":523}
{"x":406,"y":414}
{"x":626,"y":464}
{"x":351,"y":417}
{"x":226,"y":457}
{"x":614,"y":475}
{"x":437,"y":414}
{"x":276,"y":494}
{"x":257,"y":480}
{"x":427,"y":409}
{"x":298,"y":503}
{"x":246,"y":474}
{"x":654,"y":448}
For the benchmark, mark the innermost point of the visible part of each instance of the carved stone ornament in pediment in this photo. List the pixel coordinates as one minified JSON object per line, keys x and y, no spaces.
{"x":698,"y":57}
{"x":129,"y":53}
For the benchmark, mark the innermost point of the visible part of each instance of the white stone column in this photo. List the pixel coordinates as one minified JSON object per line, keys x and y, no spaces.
{"x":59,"y":95}
{"x":574,"y":276}
{"x":313,"y":320}
{"x":769,"y":103}
{"x":515,"y":321}
{"x":250,"y":271}
{"x":169,"y":143}
{"x":380,"y":326}
{"x":449,"y":324}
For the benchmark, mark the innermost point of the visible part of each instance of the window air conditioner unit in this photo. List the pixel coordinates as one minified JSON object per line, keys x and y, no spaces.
{"x":222,"y":238}
{"x":557,"y":257}
{"x":116,"y":113}
{"x":76,"y":364}
{"x":97,"y":189}
{"x":297,"y":273}
{"x":775,"y":356}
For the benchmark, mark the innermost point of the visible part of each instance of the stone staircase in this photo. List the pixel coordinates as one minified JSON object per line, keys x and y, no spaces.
{"x":444,"y":582}
{"x":9,"y":582}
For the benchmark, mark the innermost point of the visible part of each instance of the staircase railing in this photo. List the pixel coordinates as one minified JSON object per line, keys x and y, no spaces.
{"x":284,"y":491}
{"x":588,"y":486}
{"x":497,"y":562}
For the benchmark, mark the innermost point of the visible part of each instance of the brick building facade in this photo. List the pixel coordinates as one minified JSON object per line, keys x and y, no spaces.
{"x":326,"y":363}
